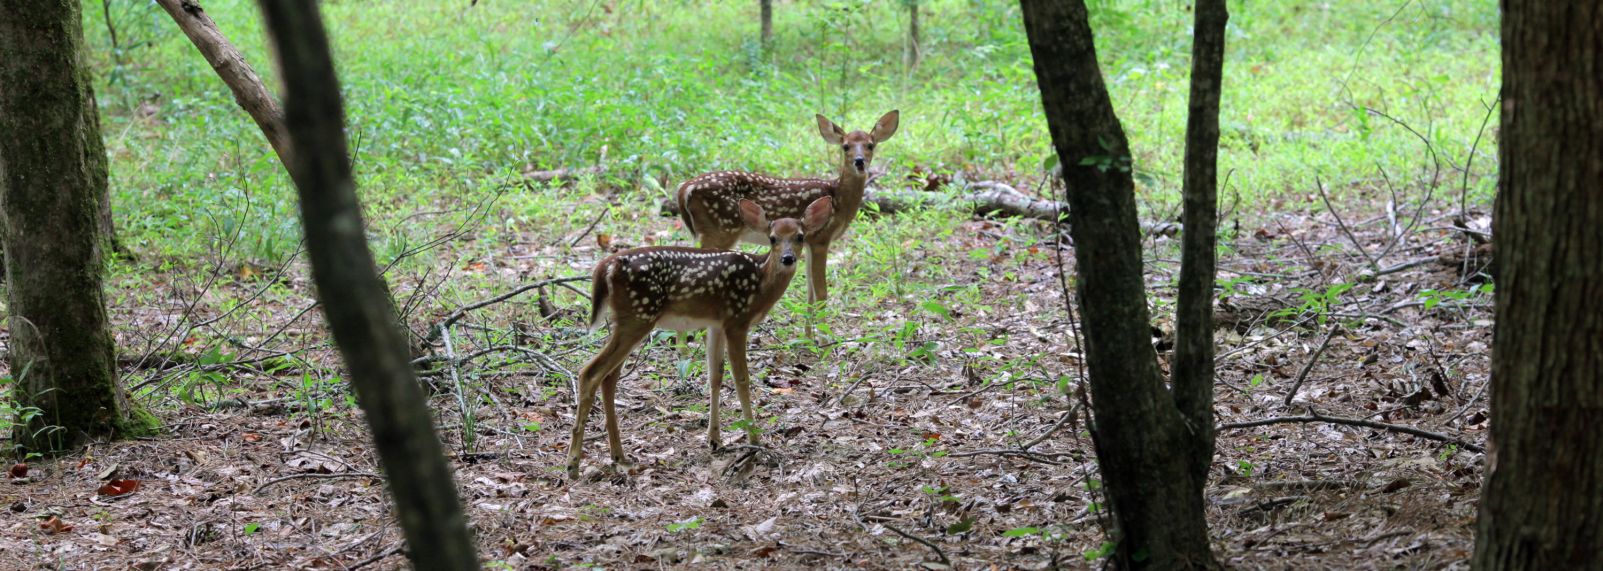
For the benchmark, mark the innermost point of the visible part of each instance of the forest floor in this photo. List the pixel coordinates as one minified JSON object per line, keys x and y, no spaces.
{"x":937,"y":424}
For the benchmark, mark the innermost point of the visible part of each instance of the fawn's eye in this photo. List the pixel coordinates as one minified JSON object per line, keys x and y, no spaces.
{"x":801,"y":237}
{"x":772,"y":240}
{"x":870,"y":146}
{"x":845,"y":147}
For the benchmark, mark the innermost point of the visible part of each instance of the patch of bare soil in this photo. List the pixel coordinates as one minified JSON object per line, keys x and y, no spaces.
{"x":876,"y":455}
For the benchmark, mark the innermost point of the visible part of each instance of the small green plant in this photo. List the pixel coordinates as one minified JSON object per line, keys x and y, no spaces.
{"x":252,"y":528}
{"x":1228,"y":287}
{"x":689,"y":524}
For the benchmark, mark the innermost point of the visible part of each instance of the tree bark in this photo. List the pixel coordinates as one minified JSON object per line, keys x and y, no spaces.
{"x":767,"y":8}
{"x":354,"y":299}
{"x":236,"y":73}
{"x":1543,"y":499}
{"x":914,"y":49}
{"x":1193,"y":366}
{"x":1144,"y":448}
{"x":52,"y":190}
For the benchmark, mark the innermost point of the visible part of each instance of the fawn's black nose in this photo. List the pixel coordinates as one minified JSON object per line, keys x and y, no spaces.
{"x":860,"y":163}
{"x":787,"y":259}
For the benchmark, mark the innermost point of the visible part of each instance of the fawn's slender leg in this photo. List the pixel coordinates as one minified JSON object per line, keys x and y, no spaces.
{"x":609,"y":399}
{"x":736,"y":338}
{"x":623,"y":340}
{"x":817,"y":288}
{"x":715,"y":368}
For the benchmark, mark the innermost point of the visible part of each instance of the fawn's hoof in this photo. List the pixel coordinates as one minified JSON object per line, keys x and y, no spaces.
{"x":573,"y":470}
{"x":714,"y":443}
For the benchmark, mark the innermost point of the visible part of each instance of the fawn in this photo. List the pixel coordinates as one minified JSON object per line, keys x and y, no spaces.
{"x":678,"y":288}
{"x":708,"y":203}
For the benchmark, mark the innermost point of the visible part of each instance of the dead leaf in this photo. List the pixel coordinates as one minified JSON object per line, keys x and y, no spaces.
{"x":119,"y":487}
{"x":54,"y":525}
{"x":19,"y":470}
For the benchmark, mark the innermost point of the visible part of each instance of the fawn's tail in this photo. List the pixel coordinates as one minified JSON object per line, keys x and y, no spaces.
{"x":599,"y":293}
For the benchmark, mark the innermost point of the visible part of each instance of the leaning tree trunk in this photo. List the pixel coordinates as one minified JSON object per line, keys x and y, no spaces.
{"x":52,"y":187}
{"x":1144,"y":448}
{"x":249,"y":92}
{"x":1543,"y":499}
{"x":1193,"y":365}
{"x":354,"y":298}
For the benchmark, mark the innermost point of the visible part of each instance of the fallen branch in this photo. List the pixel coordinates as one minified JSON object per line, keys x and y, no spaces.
{"x":1314,"y":416}
{"x":989,"y":199}
{"x":933,"y":547}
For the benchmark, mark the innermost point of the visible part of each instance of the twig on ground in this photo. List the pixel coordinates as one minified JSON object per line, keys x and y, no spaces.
{"x":317,"y":475}
{"x":1320,"y":184}
{"x":1335,"y":327}
{"x":587,"y":229}
{"x":849,"y":390}
{"x":932,"y":546}
{"x":805,"y":551}
{"x":1067,"y":416}
{"x":461,"y":312}
{"x":1314,"y":416}
{"x":388,"y":551}
{"x":1042,"y":457}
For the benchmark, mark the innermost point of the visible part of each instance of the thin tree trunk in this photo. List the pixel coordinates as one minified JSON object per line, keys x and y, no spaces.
{"x":52,"y":192}
{"x":235,"y":72}
{"x":914,"y":48}
{"x":1143,"y":444}
{"x":354,"y":298}
{"x":1193,"y":367}
{"x":767,"y":8}
{"x":1543,"y":499}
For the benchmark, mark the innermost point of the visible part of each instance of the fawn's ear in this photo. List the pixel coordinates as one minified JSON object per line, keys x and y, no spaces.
{"x":831,"y":132}
{"x":886,"y":126}
{"x":818,"y":214}
{"x":752,"y":215}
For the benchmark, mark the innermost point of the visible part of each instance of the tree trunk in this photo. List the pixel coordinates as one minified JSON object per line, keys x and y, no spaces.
{"x":1193,"y":368}
{"x":235,"y":72}
{"x":354,"y":299}
{"x":767,"y":7}
{"x":1144,"y":448}
{"x":1543,"y":498}
{"x":914,"y":49}
{"x":52,"y":187}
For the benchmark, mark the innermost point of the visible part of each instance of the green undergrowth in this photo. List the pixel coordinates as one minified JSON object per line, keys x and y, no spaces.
{"x":448,"y":102}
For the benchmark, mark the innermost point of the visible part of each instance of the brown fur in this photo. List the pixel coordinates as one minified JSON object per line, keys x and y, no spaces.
{"x":707,"y":203}
{"x":723,"y":291}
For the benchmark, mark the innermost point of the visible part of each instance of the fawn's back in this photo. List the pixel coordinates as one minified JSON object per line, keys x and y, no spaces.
{"x":677,"y":288}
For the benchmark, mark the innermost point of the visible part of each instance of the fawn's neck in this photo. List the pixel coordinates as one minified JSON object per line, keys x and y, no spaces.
{"x":850,"y":186}
{"x":775,"y":279}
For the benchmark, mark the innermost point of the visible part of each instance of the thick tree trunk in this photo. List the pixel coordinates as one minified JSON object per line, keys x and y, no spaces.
{"x":1144,"y":448}
{"x":235,"y":72}
{"x":1192,"y":369}
{"x":354,"y":299}
{"x":52,"y":187}
{"x":1543,"y":499}
{"x":767,"y":8}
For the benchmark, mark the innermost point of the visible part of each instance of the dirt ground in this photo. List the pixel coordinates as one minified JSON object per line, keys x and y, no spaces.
{"x":872,"y":460}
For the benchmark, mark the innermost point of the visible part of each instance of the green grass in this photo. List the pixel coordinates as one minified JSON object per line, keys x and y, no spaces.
{"x":447,"y":99}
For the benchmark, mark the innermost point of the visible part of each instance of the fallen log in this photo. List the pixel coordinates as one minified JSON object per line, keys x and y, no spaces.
{"x":982,"y":199}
